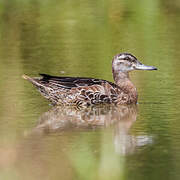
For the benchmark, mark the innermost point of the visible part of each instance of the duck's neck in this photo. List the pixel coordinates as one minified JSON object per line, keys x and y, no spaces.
{"x":123,"y":81}
{"x":120,"y":77}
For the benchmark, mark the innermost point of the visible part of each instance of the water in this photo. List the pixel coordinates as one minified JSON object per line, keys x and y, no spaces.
{"x":79,"y":38}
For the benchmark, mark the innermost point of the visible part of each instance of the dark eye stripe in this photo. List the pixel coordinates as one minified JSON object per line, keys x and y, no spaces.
{"x":127,"y":59}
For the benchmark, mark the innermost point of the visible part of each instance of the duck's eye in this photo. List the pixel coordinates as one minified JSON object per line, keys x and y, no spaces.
{"x":124,"y":58}
{"x":127,"y":58}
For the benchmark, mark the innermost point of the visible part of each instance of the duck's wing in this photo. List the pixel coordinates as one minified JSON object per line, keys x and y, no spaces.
{"x":71,"y":82}
{"x":75,"y":90}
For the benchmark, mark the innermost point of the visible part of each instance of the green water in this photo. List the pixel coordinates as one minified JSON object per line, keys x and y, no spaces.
{"x":79,"y":38}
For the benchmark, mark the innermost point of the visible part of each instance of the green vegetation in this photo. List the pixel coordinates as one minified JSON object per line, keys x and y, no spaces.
{"x":79,"y":38}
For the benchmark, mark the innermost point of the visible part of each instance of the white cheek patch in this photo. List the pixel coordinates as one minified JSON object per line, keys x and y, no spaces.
{"x":120,"y":61}
{"x":115,"y":65}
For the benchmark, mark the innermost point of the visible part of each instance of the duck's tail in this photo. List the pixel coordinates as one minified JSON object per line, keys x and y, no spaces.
{"x":34,"y":81}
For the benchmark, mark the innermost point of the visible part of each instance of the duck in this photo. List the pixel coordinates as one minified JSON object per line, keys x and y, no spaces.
{"x":84,"y":91}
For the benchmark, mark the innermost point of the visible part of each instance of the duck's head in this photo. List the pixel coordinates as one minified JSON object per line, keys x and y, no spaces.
{"x":126,"y":62}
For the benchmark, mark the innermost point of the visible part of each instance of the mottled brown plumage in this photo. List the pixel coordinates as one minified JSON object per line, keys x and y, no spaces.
{"x":80,"y":91}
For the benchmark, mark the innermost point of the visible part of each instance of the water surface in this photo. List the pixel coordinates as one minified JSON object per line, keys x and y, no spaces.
{"x":79,"y":38}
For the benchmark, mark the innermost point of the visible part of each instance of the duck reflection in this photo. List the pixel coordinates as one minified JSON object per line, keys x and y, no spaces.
{"x":58,"y":118}
{"x":119,"y":118}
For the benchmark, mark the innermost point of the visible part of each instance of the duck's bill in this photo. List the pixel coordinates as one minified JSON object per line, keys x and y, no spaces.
{"x":144,"y":67}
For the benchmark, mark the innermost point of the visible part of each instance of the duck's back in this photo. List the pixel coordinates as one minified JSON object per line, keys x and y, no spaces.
{"x":78,"y":91}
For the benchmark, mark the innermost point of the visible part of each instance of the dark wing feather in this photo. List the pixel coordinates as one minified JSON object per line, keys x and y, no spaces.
{"x":71,"y":82}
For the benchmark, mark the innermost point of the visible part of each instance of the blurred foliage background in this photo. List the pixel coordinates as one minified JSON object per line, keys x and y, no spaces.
{"x":79,"y":38}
